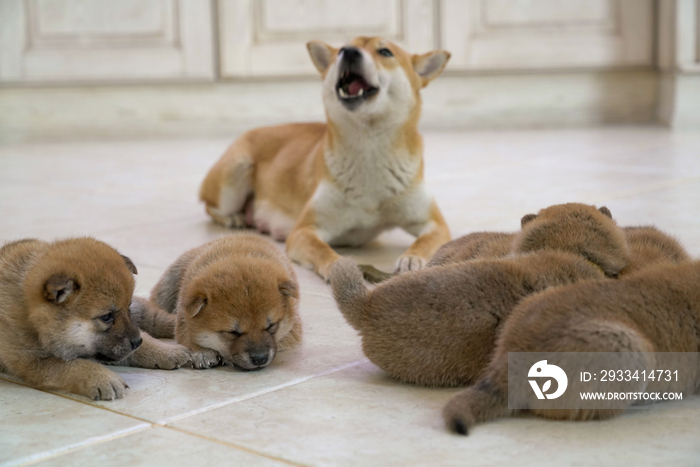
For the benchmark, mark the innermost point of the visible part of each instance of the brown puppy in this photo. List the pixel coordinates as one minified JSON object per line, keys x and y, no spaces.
{"x":64,"y":304}
{"x":437,"y":326}
{"x":655,"y":310}
{"x":236,"y":300}
{"x":649,"y":246}
{"x":476,"y":245}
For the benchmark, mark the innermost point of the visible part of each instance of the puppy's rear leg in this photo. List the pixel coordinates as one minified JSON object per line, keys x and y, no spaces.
{"x":226,"y":189}
{"x":151,"y":318}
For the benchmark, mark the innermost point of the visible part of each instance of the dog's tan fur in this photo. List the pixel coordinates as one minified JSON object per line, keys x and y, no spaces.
{"x":648,"y":246}
{"x":52,"y":296}
{"x":343,"y":182}
{"x":437,"y":326}
{"x":654,"y":310}
{"x":476,"y":245}
{"x":236,"y":300}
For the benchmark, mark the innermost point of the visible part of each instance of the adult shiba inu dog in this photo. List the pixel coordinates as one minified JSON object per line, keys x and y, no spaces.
{"x":64,"y":305}
{"x":344,"y":182}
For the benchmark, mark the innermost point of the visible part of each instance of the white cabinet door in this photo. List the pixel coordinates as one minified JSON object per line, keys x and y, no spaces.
{"x":532,"y":34}
{"x":268,"y":37}
{"x":105,"y":40}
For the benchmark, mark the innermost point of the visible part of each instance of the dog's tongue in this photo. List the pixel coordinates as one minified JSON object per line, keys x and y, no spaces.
{"x":355,"y":87}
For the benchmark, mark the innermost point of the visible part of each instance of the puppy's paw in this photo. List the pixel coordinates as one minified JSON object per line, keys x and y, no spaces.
{"x":205,"y":359}
{"x":103,"y":385}
{"x":408,"y":262}
{"x":170,"y":357}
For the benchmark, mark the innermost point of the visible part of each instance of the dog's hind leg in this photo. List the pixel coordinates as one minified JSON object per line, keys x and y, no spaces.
{"x":151,"y":318}
{"x":227,"y":187}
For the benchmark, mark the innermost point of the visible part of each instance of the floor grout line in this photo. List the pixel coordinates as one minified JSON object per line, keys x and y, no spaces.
{"x":242,"y":448}
{"x":57,"y":452}
{"x":262,"y":392}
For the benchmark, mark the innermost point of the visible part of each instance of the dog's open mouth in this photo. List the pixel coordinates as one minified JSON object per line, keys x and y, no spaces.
{"x":352,"y":86}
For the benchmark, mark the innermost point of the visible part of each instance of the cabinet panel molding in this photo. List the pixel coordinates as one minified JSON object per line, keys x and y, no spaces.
{"x":109,"y":40}
{"x":268,"y":37}
{"x":539,"y":34}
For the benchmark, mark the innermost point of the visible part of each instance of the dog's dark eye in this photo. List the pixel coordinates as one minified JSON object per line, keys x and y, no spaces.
{"x":385,"y":52}
{"x":272,"y":328}
{"x":107,"y":318}
{"x":235,"y":333}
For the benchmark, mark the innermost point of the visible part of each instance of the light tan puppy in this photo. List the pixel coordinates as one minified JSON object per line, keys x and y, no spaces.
{"x":437,"y":326}
{"x":236,"y":300}
{"x":64,"y":305}
{"x":654,"y":310}
{"x":344,"y":182}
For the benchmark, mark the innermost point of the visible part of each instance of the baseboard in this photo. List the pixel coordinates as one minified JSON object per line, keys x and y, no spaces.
{"x":479,"y":101}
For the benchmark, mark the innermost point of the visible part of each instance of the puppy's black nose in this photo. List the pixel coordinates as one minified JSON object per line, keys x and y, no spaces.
{"x":259,"y":359}
{"x":136,"y":343}
{"x":351,"y":54}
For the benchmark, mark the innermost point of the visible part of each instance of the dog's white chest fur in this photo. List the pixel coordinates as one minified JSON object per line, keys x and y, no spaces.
{"x":372,"y":189}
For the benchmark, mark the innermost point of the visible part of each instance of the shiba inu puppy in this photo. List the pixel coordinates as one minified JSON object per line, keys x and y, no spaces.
{"x":236,"y":300}
{"x":438,"y":326}
{"x":64,"y":305}
{"x":343,"y":182}
{"x":654,"y":310}
{"x":648,"y":246}
{"x":476,"y":245}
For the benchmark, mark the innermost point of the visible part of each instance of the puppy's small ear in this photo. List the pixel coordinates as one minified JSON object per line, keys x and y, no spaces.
{"x":430,"y":65}
{"x":527,"y":218}
{"x":322,"y":54}
{"x":59,"y":287}
{"x":605,"y":211}
{"x":289,"y":289}
{"x":130,"y":264}
{"x":196,"y":305}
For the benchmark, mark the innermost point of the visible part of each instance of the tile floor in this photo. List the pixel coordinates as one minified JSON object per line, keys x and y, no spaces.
{"x":324,"y":403}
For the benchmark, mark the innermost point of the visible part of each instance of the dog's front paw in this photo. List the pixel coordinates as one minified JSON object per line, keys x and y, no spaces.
{"x":410,"y":263}
{"x":171,"y":357}
{"x":102,"y":385}
{"x":205,"y":359}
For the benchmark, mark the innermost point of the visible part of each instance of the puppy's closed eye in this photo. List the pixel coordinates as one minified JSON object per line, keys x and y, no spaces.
{"x":272,"y":327}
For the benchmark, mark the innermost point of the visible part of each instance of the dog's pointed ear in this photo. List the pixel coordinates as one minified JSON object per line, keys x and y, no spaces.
{"x":59,"y":288}
{"x":130,"y":264}
{"x":322,"y":54}
{"x":196,"y":305}
{"x":430,"y":65}
{"x":527,"y":218}
{"x":605,"y":211}
{"x":289,"y":289}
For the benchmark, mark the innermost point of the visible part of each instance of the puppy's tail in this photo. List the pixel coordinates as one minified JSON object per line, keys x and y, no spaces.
{"x":349,"y":290}
{"x":151,"y":318}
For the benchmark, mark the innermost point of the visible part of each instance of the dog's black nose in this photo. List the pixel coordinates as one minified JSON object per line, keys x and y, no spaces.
{"x":351,"y":54}
{"x":258,"y":359}
{"x":136,"y":343}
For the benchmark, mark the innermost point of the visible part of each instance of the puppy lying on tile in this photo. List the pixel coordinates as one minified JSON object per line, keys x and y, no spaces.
{"x":648,"y":246}
{"x":654,"y":310}
{"x":64,"y":306}
{"x":236,"y":300}
{"x":437,"y":326}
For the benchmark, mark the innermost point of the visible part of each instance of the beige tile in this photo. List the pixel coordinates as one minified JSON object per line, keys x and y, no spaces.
{"x":35,"y":424}
{"x":360,"y":417}
{"x":329,"y":343}
{"x":160,"y":446}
